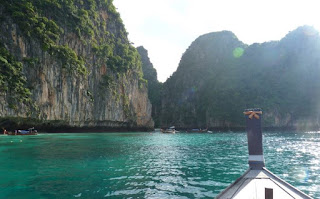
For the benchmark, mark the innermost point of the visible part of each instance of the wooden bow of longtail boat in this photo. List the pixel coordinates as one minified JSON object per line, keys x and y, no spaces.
{"x":258,"y":182}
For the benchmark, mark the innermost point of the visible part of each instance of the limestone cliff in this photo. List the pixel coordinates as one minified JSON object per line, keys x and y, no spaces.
{"x":77,"y":63}
{"x":219,"y":76}
{"x":154,"y":86}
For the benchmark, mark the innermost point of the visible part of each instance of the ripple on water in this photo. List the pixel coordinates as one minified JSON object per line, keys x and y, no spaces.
{"x":148,"y":166}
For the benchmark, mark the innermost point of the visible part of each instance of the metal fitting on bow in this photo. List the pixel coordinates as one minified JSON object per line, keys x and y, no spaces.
{"x":253,"y":114}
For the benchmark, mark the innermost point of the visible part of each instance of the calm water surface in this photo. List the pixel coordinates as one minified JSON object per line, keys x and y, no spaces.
{"x":144,"y":165}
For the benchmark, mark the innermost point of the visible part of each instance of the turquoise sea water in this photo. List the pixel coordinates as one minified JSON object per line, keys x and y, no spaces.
{"x":148,"y":165}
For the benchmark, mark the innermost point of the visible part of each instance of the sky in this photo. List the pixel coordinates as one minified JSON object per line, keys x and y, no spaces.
{"x":166,"y":28}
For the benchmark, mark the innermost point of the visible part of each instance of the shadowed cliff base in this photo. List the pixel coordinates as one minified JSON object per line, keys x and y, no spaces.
{"x":264,"y":128}
{"x":59,"y":126}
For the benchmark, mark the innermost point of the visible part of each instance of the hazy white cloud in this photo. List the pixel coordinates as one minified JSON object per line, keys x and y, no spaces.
{"x":167,"y":27}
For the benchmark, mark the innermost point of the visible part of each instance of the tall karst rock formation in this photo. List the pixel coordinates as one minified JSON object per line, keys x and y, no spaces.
{"x":154,"y":86}
{"x":219,"y":76}
{"x":69,"y":64}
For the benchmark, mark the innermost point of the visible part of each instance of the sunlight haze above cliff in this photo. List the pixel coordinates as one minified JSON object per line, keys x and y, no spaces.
{"x":167,"y":27}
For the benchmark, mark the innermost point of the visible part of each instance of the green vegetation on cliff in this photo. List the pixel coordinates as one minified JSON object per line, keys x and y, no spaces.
{"x":219,"y":76}
{"x":50,"y":24}
{"x":12,"y":81}
{"x":46,"y":20}
{"x":27,"y":15}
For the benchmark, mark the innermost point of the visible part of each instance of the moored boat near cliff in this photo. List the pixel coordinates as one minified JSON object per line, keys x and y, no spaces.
{"x":198,"y":130}
{"x":169,"y":130}
{"x":30,"y":131}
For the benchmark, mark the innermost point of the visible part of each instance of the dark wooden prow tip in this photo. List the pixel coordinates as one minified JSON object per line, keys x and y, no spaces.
{"x":254,"y":134}
{"x":268,"y":193}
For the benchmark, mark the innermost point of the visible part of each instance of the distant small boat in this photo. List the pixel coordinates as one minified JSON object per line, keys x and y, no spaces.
{"x":30,"y":131}
{"x":157,"y":130}
{"x":169,"y":130}
{"x":198,"y":131}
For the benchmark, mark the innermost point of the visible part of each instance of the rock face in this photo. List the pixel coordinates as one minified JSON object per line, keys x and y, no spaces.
{"x":110,"y":93}
{"x":154,"y":86}
{"x":219,"y":76}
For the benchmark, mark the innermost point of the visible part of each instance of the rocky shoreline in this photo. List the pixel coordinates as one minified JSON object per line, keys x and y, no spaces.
{"x":59,"y":126}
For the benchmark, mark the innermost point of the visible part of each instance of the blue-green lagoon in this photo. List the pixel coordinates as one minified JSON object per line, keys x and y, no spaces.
{"x":148,"y":165}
